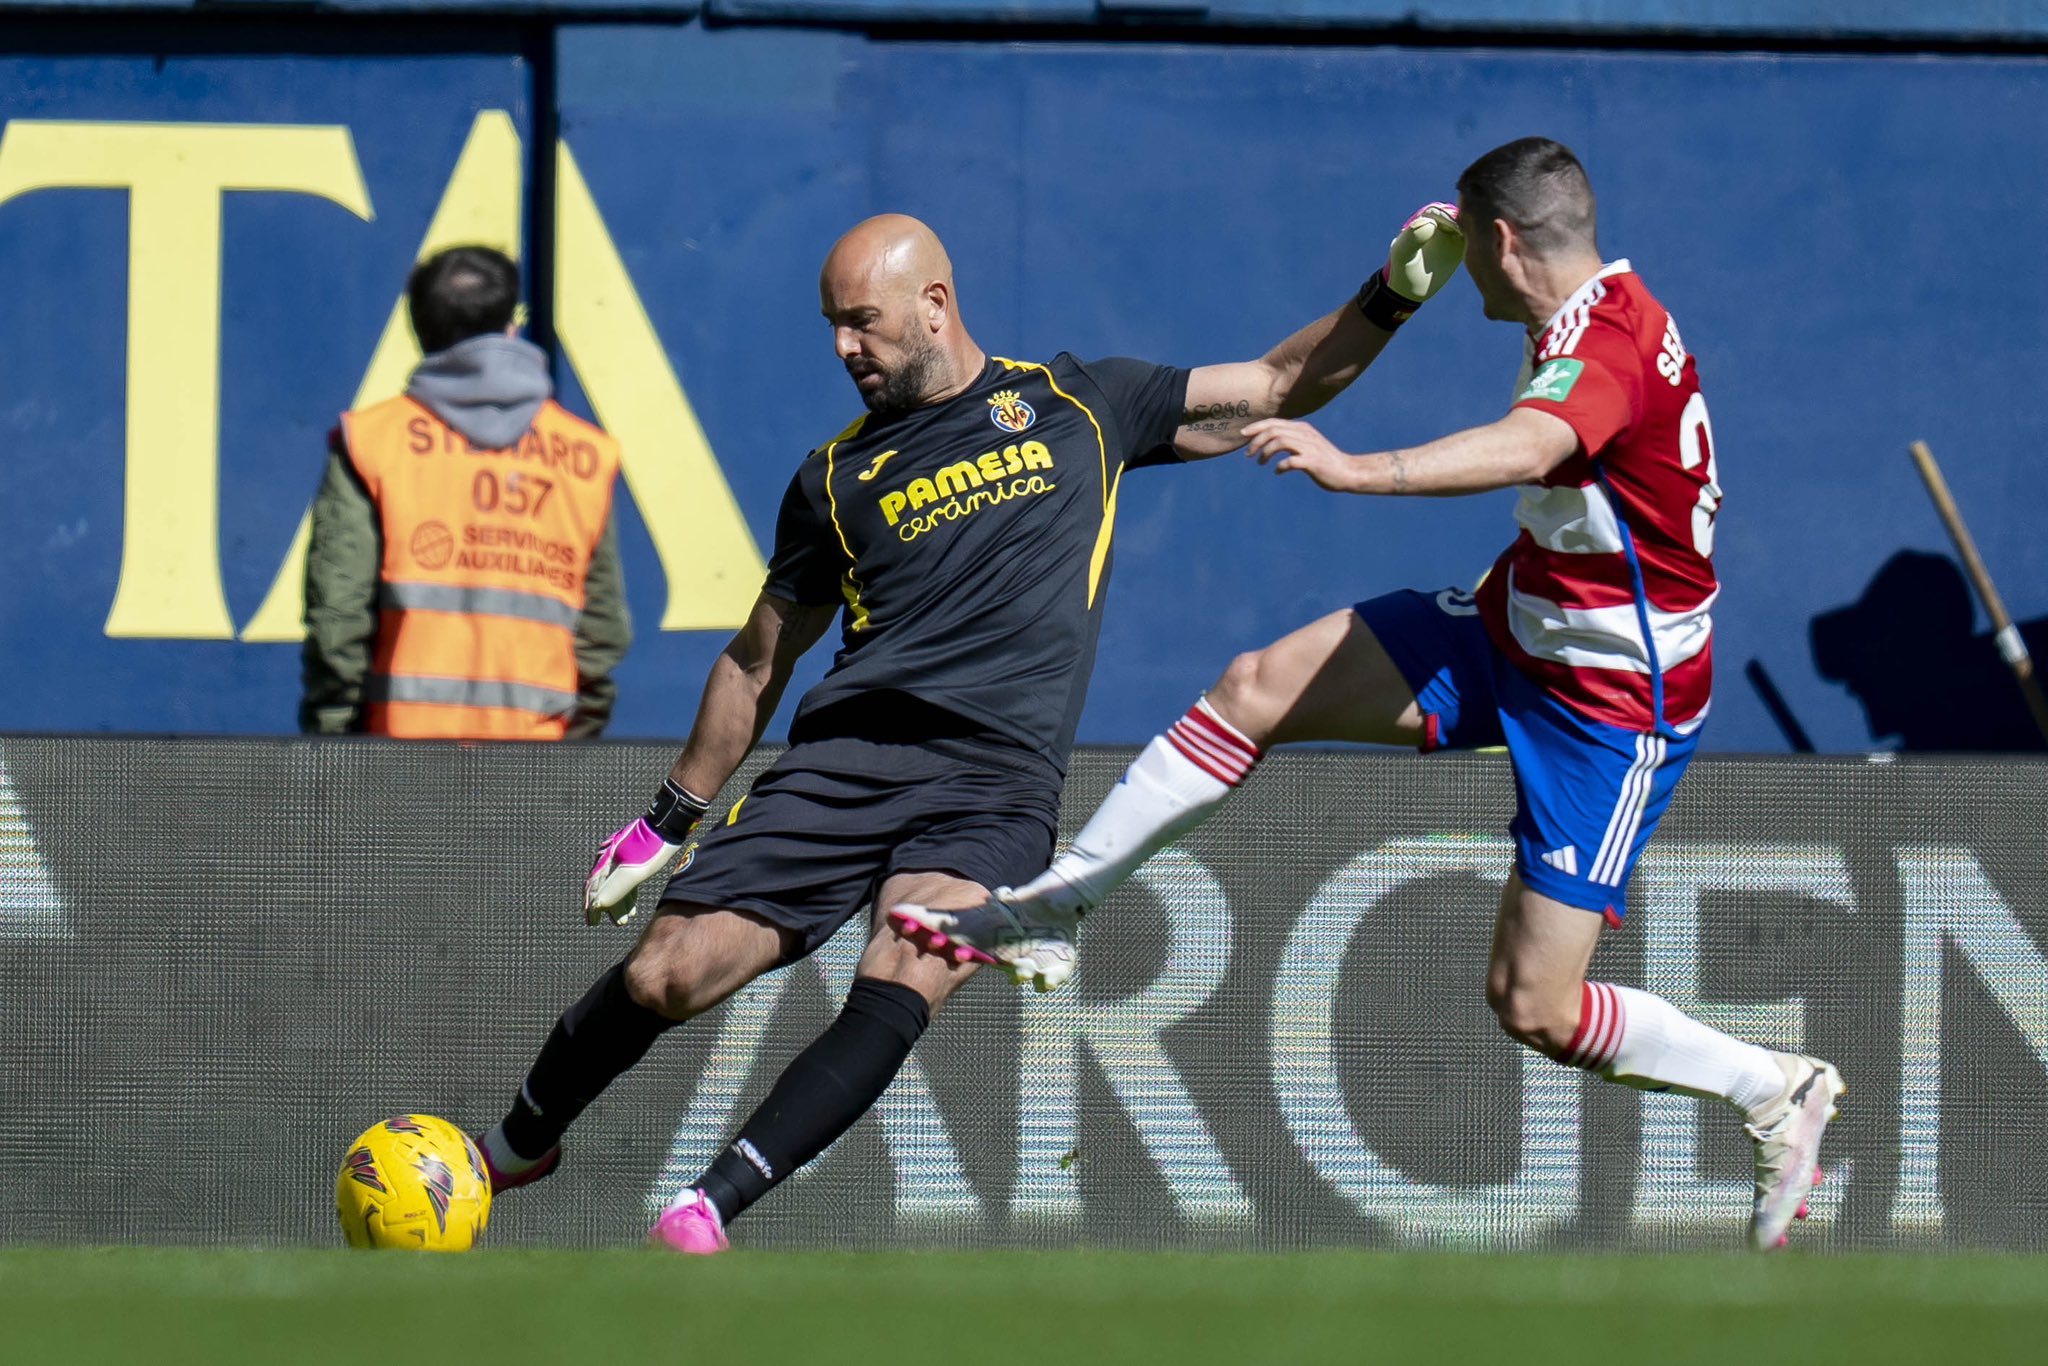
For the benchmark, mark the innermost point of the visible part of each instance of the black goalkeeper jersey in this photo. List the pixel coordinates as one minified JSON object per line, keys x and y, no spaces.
{"x":970,"y":543}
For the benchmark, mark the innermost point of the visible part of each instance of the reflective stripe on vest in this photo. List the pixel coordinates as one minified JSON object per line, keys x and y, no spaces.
{"x":488,"y":602}
{"x":486,"y":554}
{"x":470,"y":692}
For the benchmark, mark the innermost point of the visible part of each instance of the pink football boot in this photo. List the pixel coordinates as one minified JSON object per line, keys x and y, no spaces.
{"x":690,"y":1225}
{"x":504,"y":1176}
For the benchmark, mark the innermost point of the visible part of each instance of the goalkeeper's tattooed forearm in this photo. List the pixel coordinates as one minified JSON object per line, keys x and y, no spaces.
{"x":1217,"y":417}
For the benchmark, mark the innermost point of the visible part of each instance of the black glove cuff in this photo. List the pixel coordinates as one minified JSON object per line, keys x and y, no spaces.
{"x":675,"y":811}
{"x":1383,"y":306}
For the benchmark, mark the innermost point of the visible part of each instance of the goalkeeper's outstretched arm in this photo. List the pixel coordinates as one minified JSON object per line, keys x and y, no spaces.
{"x":1314,"y":365}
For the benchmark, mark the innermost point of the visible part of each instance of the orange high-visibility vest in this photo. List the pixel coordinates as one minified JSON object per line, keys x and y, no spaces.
{"x":485,"y":555}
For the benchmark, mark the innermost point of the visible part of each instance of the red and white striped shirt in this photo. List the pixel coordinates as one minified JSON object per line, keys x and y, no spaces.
{"x":1563,"y":601}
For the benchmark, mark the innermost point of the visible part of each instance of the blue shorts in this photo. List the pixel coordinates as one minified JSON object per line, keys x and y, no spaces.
{"x":1588,"y":794}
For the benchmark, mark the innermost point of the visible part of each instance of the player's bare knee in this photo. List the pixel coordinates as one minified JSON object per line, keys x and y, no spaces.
{"x":898,"y":961}
{"x":665,"y":983}
{"x":1530,"y":1018}
{"x":1240,"y":695}
{"x":648,"y":982}
{"x":1498,"y":993}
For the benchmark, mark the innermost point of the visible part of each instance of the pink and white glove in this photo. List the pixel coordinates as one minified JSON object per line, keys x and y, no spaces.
{"x":1425,"y":254}
{"x":1421,"y":260}
{"x":624,"y":861}
{"x":634,"y":854}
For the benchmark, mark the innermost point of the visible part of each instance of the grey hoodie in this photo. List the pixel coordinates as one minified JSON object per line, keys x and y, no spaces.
{"x":488,"y":388}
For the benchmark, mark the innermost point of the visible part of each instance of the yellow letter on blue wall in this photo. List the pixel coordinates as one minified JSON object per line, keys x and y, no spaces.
{"x":175,"y":174}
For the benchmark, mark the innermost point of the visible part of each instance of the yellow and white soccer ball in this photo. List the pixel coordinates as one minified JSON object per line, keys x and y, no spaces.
{"x":413,"y":1181}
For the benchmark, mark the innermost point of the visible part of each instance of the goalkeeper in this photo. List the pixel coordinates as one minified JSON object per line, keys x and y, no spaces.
{"x":926,"y":765}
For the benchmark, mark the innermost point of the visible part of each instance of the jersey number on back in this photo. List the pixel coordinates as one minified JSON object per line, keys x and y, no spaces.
{"x":1696,"y":444}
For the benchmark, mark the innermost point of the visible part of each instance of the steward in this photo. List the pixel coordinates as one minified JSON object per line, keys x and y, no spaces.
{"x":463,"y":578}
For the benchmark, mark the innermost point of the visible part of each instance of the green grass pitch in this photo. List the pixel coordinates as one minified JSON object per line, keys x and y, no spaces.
{"x":508,"y":1308}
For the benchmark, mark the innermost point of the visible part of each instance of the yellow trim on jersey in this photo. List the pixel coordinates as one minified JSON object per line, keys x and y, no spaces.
{"x":734,"y":814}
{"x":1101,"y":552}
{"x":849,"y":586}
{"x":1109,"y":485}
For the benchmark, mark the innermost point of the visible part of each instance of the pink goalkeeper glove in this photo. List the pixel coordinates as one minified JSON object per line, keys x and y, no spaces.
{"x":1421,"y":260}
{"x":1425,"y":254}
{"x":624,"y":861}
{"x":634,"y":854}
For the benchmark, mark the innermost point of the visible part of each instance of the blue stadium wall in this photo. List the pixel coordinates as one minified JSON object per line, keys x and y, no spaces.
{"x":204,"y":222}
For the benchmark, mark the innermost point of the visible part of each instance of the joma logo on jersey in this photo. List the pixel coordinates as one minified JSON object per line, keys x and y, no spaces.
{"x":964,"y":477}
{"x":1009,"y":411}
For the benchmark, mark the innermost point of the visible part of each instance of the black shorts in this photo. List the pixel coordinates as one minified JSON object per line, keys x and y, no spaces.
{"x":808,"y":846}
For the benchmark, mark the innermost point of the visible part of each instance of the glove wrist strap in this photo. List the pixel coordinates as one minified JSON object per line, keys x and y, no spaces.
{"x":1383,"y":306}
{"x":675,"y":811}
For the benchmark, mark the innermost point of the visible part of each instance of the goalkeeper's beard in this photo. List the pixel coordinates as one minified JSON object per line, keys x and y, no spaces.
{"x":906,"y":386}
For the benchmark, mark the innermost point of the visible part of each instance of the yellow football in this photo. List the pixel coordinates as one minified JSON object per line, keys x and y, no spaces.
{"x":413,"y":1181}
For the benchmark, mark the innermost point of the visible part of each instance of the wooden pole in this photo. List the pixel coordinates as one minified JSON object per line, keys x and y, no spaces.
{"x":2011,"y":647}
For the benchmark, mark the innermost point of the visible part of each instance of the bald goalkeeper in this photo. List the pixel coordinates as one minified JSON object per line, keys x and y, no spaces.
{"x":959,"y":529}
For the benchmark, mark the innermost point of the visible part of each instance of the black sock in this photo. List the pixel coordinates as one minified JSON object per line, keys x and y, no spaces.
{"x":820,"y":1094}
{"x":595,"y":1041}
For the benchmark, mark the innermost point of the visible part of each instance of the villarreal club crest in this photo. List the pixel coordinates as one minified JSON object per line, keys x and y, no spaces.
{"x":1010,"y":412}
{"x":413,"y":1181}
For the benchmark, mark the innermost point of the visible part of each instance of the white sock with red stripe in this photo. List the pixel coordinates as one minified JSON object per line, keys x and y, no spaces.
{"x":1644,"y":1041}
{"x":1175,"y":783}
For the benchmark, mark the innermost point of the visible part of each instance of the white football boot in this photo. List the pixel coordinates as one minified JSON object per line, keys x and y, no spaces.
{"x":1031,"y":935}
{"x":1787,"y":1133}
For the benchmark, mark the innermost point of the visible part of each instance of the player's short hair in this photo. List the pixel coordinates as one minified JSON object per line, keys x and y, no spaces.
{"x":1539,"y":187}
{"x":460,"y":293}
